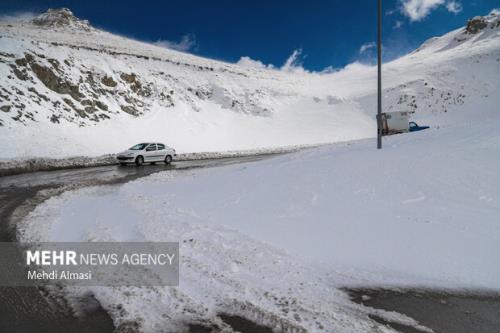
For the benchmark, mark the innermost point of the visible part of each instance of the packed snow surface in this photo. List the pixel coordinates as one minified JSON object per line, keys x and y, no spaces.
{"x":285,"y":233}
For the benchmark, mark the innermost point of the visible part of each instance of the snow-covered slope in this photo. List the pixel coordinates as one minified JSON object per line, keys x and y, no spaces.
{"x":276,"y":239}
{"x":67,"y":88}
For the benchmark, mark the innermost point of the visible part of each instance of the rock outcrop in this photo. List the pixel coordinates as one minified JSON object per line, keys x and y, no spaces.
{"x":60,"y":18}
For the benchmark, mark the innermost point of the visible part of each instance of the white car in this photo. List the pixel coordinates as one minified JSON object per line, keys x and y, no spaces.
{"x":147,"y":152}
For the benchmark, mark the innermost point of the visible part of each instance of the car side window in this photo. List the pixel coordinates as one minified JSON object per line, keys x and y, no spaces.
{"x":151,"y":147}
{"x":161,"y":146}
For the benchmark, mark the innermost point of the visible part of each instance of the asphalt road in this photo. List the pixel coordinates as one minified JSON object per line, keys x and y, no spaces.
{"x":26,"y":309}
{"x":442,"y":311}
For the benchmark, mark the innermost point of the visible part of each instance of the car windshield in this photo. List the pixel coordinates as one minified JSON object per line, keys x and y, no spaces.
{"x":139,"y":146}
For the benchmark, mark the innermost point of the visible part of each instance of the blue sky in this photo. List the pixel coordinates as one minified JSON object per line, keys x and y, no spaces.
{"x":329,"y":33}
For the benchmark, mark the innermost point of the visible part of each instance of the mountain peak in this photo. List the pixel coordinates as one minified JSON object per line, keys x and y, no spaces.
{"x":482,"y":27}
{"x":61,"y":18}
{"x":479,"y":23}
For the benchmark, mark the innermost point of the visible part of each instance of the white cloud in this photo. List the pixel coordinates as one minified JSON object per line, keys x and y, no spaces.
{"x":249,"y":62}
{"x":329,"y":70}
{"x":294,"y":62}
{"x":398,"y":24}
{"x":367,"y":46}
{"x":454,"y":7}
{"x":187,"y":43}
{"x":17,"y":16}
{"x":417,"y":10}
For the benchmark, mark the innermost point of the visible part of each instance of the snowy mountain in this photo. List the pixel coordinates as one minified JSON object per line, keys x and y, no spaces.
{"x":277,"y":239}
{"x":67,"y":88}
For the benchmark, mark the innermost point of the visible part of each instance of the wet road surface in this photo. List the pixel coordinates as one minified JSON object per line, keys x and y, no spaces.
{"x":28,"y":309}
{"x":443,"y":312}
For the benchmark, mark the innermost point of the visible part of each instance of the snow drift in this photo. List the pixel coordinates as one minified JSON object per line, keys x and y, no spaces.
{"x":275,"y":239}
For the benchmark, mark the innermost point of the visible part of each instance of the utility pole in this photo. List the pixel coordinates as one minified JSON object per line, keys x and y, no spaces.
{"x":379,"y":78}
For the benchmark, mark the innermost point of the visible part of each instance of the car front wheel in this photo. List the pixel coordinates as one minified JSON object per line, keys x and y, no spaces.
{"x":168,"y":159}
{"x":139,"y":160}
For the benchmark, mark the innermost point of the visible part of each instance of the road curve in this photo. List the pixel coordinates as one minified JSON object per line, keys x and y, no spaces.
{"x":28,"y":309}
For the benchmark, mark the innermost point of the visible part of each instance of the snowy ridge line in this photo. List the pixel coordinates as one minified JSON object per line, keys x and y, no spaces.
{"x":18,"y":166}
{"x":223,"y":66}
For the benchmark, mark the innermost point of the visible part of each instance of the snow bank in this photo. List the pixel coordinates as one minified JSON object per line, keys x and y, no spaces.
{"x":16,"y":166}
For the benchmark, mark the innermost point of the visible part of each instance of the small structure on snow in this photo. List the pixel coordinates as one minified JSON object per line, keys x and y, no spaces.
{"x":395,"y":122}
